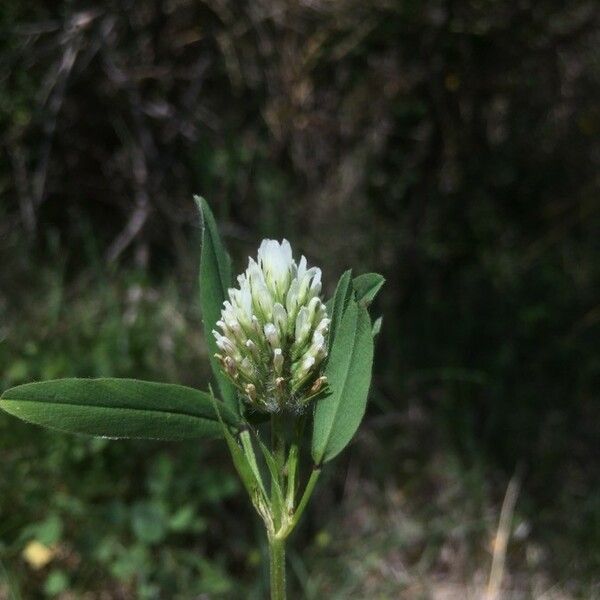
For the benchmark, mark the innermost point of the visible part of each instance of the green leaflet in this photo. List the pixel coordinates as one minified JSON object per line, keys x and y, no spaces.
{"x":367,"y":287}
{"x":117,"y":408}
{"x":337,"y":305}
{"x":215,"y":279}
{"x":338,"y":415}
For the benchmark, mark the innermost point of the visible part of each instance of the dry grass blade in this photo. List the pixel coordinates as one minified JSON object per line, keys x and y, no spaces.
{"x":502,"y":536}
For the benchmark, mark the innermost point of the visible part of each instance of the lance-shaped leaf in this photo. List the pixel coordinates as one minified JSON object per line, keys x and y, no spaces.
{"x":338,"y":415}
{"x":367,"y":287}
{"x":215,"y":279}
{"x":337,"y":305}
{"x":117,"y":408}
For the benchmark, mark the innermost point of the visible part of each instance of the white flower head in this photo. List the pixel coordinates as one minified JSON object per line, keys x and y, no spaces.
{"x":273,"y":338}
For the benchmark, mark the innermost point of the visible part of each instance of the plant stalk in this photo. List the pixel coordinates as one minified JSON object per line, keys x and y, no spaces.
{"x":310,"y":486}
{"x":292,"y":465}
{"x":277,"y":568}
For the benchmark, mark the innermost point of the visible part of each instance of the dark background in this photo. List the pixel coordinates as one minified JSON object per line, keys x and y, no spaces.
{"x":453,"y":146}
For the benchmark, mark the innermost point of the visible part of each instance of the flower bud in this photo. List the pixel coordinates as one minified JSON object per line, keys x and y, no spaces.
{"x":272,"y":335}
{"x":278,"y":360}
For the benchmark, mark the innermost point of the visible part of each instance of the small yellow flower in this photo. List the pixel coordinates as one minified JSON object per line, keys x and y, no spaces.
{"x":37,"y":555}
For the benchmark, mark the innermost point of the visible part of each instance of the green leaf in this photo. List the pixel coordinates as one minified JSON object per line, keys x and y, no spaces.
{"x":48,"y":532}
{"x":56,"y":583}
{"x":183,"y":519}
{"x":117,"y":408}
{"x":215,"y":279}
{"x":367,"y":287}
{"x":338,"y":415}
{"x":149,"y":521}
{"x":337,"y":305}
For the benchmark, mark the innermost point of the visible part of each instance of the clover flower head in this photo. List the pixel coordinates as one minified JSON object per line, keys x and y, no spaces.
{"x":273,"y":331}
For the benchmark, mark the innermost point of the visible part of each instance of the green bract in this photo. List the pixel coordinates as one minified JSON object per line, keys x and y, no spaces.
{"x":276,"y":349}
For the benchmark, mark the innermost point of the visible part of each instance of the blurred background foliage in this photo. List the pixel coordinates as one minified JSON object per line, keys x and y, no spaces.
{"x":452,"y":145}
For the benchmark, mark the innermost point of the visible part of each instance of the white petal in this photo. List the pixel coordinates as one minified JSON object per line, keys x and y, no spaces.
{"x":272,"y":335}
{"x":280,"y":317}
{"x":301,"y":268}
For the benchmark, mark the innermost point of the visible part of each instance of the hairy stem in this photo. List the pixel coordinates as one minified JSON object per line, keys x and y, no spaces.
{"x":277,"y":568}
{"x":292,"y":465}
{"x":278,"y":449}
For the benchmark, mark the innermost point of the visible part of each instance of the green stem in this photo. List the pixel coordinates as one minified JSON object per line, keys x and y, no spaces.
{"x":278,"y":441}
{"x":277,"y":568}
{"x":278,"y":449}
{"x":308,"y":490}
{"x":292,"y":464}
